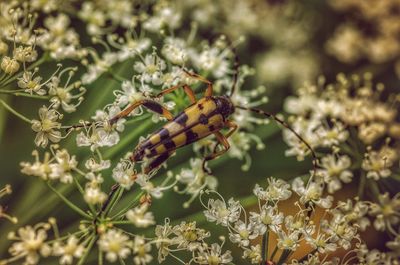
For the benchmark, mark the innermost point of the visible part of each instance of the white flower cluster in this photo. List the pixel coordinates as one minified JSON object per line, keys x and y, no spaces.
{"x":289,"y":231}
{"x":32,"y":243}
{"x":351,"y":43}
{"x":286,"y":28}
{"x":351,"y":119}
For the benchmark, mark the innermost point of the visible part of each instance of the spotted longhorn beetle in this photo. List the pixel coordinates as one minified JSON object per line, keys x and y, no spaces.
{"x":202,"y":118}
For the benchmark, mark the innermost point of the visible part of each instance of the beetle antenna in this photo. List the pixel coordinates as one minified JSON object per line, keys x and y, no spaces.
{"x":287,"y":126}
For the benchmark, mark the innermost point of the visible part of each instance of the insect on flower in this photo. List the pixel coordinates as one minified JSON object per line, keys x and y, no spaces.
{"x":205,"y":116}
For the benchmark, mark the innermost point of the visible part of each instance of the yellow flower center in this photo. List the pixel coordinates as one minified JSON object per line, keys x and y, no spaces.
{"x":47,"y":125}
{"x":387,"y":210}
{"x":114,"y":247}
{"x":213,"y":260}
{"x":190,"y":235}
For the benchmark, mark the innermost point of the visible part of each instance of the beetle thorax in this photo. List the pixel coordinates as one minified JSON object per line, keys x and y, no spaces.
{"x":224,"y":105}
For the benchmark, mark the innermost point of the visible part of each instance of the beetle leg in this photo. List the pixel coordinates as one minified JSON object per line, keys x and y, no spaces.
{"x":157,"y":162}
{"x":189,"y":92}
{"x":209,"y":90}
{"x":233,"y":127}
{"x":149,"y":104}
{"x":221,"y":140}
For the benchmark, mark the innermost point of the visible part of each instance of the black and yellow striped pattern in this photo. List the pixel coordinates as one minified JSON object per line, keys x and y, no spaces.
{"x":197,"y":121}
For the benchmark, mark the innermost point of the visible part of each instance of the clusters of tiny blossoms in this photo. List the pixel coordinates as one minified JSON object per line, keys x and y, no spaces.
{"x":168,"y":240}
{"x":33,"y":243}
{"x":24,"y":48}
{"x":352,"y":119}
{"x":286,"y":28}
{"x":351,"y":42}
{"x":314,"y":224}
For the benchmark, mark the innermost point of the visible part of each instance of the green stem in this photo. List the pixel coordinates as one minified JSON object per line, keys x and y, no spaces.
{"x":10,"y":91}
{"x":114,"y":199}
{"x":87,"y":251}
{"x":117,"y":198}
{"x":124,"y":210}
{"x":100,"y":258}
{"x":121,"y":223}
{"x":285,"y":254}
{"x":374,"y":189}
{"x":19,"y":115}
{"x":264,"y":247}
{"x":69,"y":203}
{"x":361,"y":186}
{"x":81,"y":190}
{"x":273,"y":253}
{"x":27,"y":95}
{"x":116,"y":76}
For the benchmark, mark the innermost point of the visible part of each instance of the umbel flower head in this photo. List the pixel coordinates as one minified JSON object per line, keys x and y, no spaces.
{"x":338,"y":227}
{"x":336,"y":117}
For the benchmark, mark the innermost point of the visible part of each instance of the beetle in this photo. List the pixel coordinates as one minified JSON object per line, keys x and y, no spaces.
{"x":206,"y":116}
{"x":202,"y":118}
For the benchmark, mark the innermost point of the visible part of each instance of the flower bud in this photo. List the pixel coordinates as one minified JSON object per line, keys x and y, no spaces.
{"x":9,"y":66}
{"x":3,"y":48}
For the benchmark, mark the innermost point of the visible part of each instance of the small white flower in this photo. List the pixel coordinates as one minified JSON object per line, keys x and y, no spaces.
{"x":335,"y":170}
{"x":146,"y":185}
{"x":163,"y":241}
{"x":30,"y":83}
{"x":243,"y":234}
{"x":47,"y":126}
{"x":213,"y":60}
{"x":125,"y":174}
{"x":107,"y":135}
{"x":100,"y":66}
{"x":95,"y":166}
{"x":213,"y":256}
{"x":61,"y":94}
{"x":141,"y":251}
{"x":312,"y":193}
{"x":130,"y":94}
{"x":9,"y":66}
{"x":377,"y":165}
{"x":38,"y":169}
{"x":254,"y":254}
{"x":332,"y":136}
{"x":132,"y":47}
{"x":93,"y":195}
{"x":288,"y":240}
{"x":195,"y":178}
{"x":189,"y":236}
{"x":151,"y":69}
{"x":140,"y":217}
{"x":72,"y":249}
{"x":277,"y":190}
{"x":217,"y":211}
{"x":25,"y":54}
{"x":268,"y":218}
{"x":321,"y":243}
{"x":165,"y":16}
{"x":174,"y":50}
{"x":115,"y":244}
{"x":62,"y":169}
{"x":31,"y":243}
{"x":386,"y":212}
